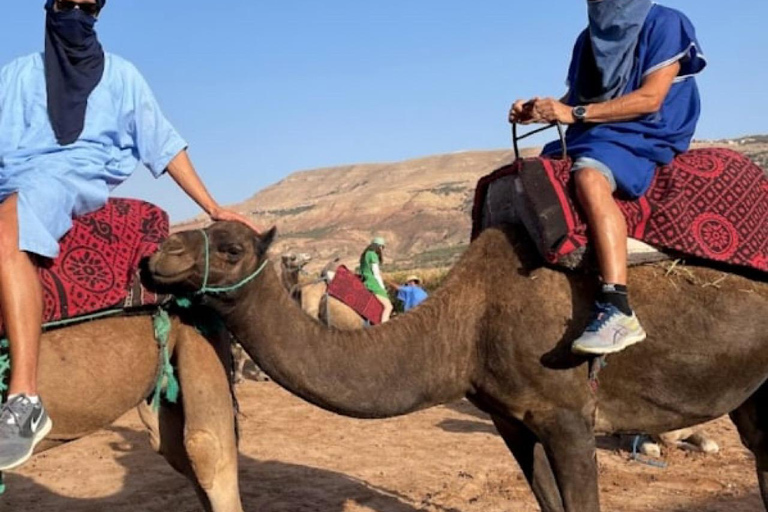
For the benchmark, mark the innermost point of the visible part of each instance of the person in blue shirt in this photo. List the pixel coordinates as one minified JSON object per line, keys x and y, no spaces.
{"x":74,"y":123}
{"x":632,"y":105}
{"x":411,"y":294}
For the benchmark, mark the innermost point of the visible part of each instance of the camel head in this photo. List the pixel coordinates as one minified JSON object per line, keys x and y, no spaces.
{"x":234,"y":253}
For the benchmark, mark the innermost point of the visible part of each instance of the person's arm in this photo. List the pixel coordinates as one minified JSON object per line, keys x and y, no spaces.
{"x":183,"y":173}
{"x":648,"y":99}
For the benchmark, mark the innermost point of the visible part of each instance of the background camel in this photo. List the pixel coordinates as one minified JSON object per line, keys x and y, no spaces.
{"x":92,"y":373}
{"x":499,"y":332}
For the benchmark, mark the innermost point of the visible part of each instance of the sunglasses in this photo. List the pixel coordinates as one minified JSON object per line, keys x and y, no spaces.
{"x":68,"y":5}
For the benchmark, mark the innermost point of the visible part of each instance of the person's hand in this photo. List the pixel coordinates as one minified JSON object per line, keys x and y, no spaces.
{"x":223,"y":214}
{"x":522,"y":111}
{"x":550,"y":110}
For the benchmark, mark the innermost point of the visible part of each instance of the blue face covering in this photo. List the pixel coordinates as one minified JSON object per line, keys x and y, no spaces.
{"x":608,"y":58}
{"x":74,"y":65}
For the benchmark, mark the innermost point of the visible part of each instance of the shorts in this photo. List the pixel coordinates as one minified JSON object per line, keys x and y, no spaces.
{"x":586,"y":162}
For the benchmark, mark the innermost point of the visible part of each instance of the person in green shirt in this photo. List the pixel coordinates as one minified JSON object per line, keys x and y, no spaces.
{"x":370,"y":268}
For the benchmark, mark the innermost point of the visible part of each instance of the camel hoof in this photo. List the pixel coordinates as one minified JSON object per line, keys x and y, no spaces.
{"x":650,"y":449}
{"x":709,"y":446}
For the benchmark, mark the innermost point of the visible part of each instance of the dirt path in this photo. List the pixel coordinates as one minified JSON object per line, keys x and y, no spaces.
{"x":297,"y":458}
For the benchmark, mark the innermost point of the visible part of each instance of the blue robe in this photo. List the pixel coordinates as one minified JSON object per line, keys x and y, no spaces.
{"x":633,"y":149}
{"x":123,"y":126}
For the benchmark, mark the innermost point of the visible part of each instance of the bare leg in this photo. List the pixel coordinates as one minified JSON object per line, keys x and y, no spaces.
{"x":608,"y":228}
{"x":530,"y":455}
{"x":388,"y":307}
{"x":21,"y":302}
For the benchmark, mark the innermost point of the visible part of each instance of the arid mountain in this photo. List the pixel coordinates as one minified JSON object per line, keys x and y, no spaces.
{"x":421,"y":206}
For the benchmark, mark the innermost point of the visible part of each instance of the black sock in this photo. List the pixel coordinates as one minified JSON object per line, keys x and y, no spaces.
{"x":616,"y":294}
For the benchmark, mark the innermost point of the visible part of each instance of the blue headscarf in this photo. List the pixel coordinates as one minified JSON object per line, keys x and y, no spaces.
{"x":74,"y":65}
{"x":609,"y":55}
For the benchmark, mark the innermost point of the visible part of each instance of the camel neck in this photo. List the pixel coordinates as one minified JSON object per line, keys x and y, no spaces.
{"x":415,"y":361}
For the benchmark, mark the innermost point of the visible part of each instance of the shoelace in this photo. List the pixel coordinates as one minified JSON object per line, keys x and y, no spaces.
{"x":602,"y":314}
{"x":15,"y":417}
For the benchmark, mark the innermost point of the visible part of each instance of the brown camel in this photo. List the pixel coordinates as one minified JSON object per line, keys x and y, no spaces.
{"x":499,"y":332}
{"x":92,"y":373}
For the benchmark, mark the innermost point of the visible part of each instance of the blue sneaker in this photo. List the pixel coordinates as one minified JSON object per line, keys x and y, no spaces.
{"x":609,"y":331}
{"x":23,"y":424}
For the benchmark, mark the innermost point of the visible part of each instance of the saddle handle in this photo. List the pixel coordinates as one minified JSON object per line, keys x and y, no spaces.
{"x":560,"y":131}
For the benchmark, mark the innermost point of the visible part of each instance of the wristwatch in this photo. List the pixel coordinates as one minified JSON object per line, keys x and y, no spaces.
{"x":579,"y":113}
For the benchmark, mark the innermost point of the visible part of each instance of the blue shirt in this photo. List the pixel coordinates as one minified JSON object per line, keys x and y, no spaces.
{"x":633,"y":149}
{"x":411,"y":296}
{"x":123,"y":126}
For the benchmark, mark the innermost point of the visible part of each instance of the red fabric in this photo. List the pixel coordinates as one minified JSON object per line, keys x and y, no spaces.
{"x":99,"y":259}
{"x":349,"y":289}
{"x":711,"y":203}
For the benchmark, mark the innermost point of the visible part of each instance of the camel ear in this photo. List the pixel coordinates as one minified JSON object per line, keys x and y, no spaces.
{"x":264,"y":241}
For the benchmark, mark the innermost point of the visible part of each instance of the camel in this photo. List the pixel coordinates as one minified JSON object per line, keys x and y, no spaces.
{"x":92,"y":373}
{"x":499,"y":332}
{"x":316,"y":302}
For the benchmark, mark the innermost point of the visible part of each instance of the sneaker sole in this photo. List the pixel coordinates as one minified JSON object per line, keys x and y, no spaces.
{"x":38,"y":437}
{"x":590,"y":351}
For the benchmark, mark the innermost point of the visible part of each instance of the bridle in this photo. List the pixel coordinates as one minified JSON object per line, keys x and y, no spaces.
{"x":205,"y":289}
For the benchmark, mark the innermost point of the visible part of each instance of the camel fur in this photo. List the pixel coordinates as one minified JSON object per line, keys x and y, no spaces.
{"x":92,"y":373}
{"x":499,"y":332}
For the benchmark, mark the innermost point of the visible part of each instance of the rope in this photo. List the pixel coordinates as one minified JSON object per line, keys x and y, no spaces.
{"x":166,"y":380}
{"x":5,"y":367}
{"x":205,"y":289}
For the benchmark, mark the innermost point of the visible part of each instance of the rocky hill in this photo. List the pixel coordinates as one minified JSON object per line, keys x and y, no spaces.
{"x":421,"y":206}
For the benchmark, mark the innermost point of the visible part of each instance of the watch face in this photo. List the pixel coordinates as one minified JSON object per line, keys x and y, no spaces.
{"x":579,"y":112}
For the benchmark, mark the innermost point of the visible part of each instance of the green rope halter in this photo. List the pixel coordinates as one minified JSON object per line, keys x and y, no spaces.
{"x":205,"y":289}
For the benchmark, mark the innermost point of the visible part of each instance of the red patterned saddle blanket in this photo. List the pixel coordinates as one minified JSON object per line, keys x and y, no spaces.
{"x":709,"y":203}
{"x":349,"y":289}
{"x":97,"y":268}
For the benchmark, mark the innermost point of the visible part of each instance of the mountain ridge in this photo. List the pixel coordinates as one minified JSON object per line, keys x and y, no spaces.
{"x":421,"y":206}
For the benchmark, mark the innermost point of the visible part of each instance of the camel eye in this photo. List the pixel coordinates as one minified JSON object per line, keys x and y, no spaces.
{"x":232,"y":250}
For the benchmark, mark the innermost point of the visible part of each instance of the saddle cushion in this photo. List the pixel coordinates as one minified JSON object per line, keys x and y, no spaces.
{"x":97,"y":268}
{"x":347,"y":287}
{"x":710,"y":203}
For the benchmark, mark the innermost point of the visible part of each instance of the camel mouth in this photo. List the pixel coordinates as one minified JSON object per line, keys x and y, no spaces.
{"x":162,"y":272}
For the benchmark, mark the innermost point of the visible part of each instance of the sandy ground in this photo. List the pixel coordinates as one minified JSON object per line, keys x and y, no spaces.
{"x":297,"y":458}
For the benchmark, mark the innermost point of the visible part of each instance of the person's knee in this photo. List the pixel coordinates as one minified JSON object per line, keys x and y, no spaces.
{"x":592,"y":186}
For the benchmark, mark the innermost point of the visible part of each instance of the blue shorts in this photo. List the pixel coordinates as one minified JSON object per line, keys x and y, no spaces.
{"x":586,"y":162}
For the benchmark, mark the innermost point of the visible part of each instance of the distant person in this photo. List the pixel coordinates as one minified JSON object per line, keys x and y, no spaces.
{"x":632,"y":105}
{"x":74,"y":122}
{"x":370,"y":268}
{"x":411,"y":294}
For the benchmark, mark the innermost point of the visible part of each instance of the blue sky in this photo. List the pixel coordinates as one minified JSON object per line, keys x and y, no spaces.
{"x":262,"y":89}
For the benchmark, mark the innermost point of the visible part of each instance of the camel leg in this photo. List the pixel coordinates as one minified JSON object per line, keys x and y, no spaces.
{"x":532,"y":459}
{"x":569,"y":441}
{"x":751,"y":419}
{"x":209,"y":421}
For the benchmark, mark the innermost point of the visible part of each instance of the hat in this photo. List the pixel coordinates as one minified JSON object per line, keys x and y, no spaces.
{"x":379,"y":240}
{"x":412,"y":278}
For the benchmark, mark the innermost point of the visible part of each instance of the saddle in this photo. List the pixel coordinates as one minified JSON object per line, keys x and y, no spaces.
{"x":96,"y":272}
{"x":707,"y":203}
{"x":347,"y":287}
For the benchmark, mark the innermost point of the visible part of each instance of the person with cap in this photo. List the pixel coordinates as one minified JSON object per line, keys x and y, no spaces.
{"x":411,"y":294}
{"x":74,"y":122}
{"x":632,"y":105}
{"x":370,"y":269}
